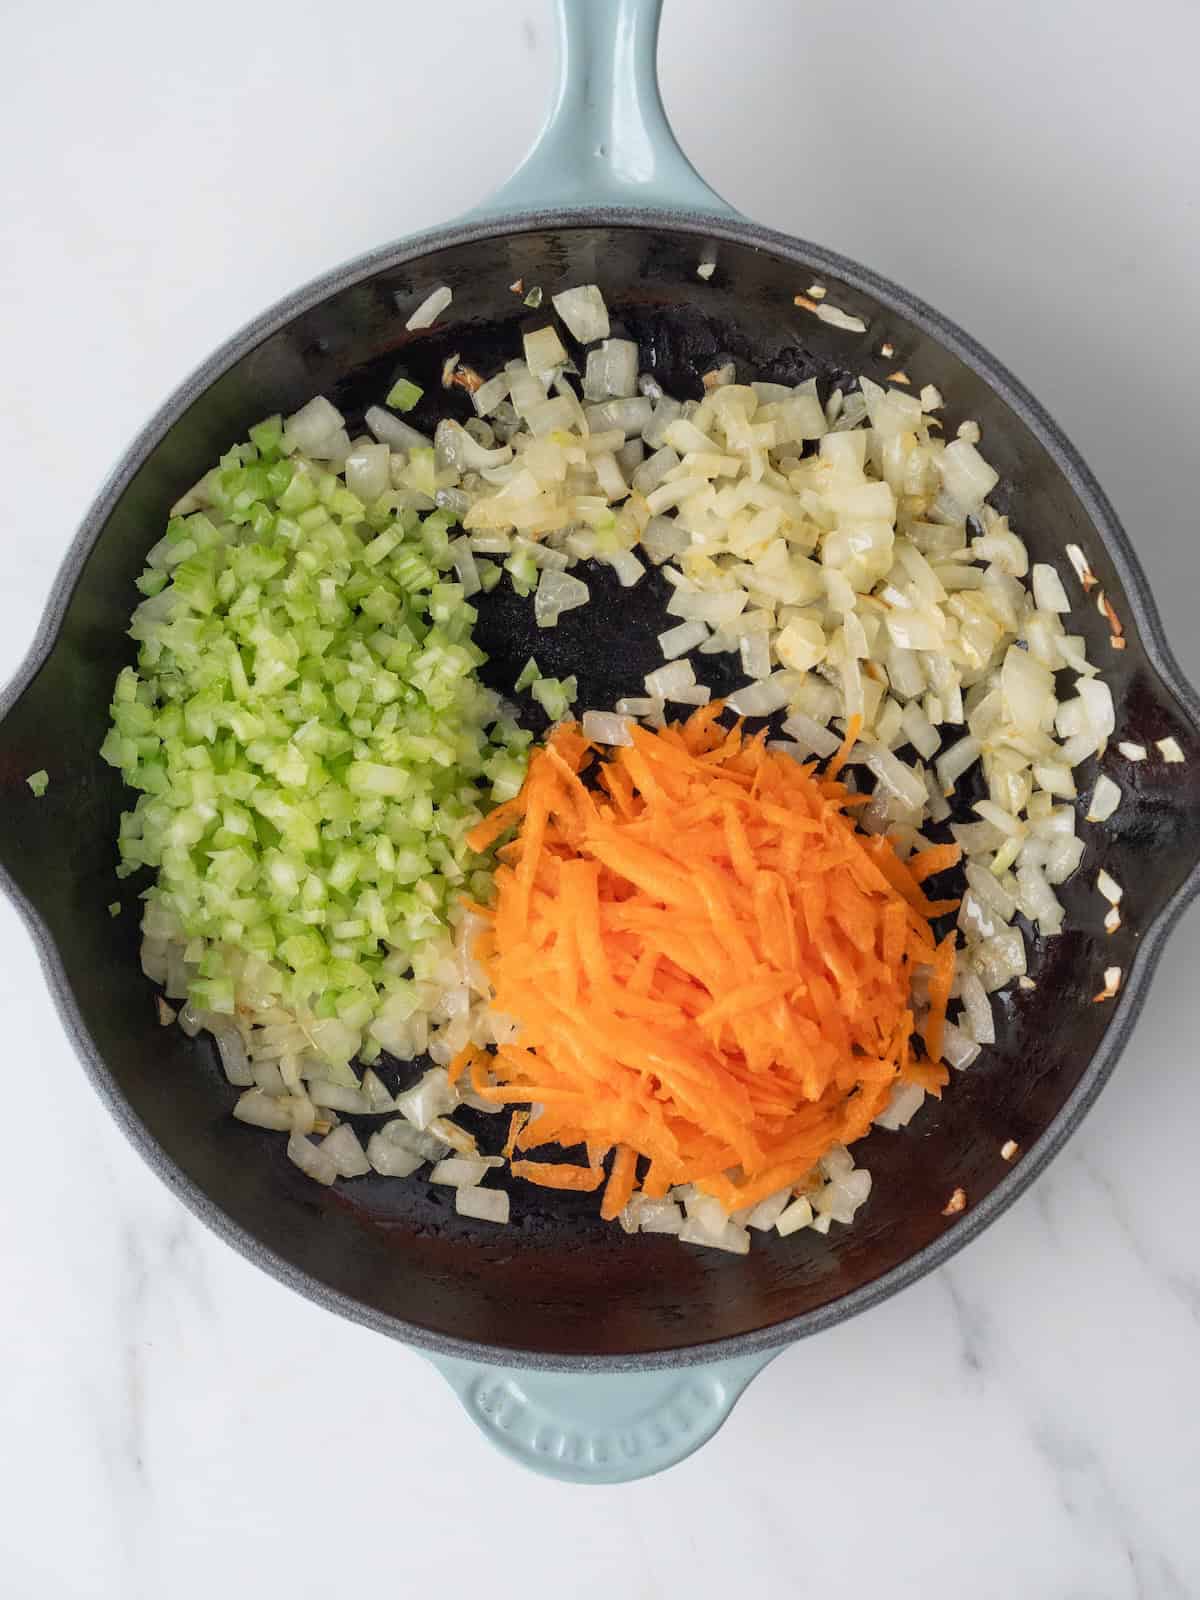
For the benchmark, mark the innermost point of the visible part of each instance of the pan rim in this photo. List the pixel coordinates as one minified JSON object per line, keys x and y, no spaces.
{"x":1069,"y":463}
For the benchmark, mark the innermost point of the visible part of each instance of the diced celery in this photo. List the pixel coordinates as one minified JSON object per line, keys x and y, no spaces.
{"x":489,"y":574}
{"x":530,"y":673}
{"x":555,"y":696}
{"x":403,"y":395}
{"x":267,"y":436}
{"x":309,"y":738}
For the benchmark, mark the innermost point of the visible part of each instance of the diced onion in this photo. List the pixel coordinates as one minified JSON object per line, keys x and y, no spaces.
{"x":666,"y":682}
{"x":732,"y":1238}
{"x":313,"y":425}
{"x":1109,"y":887}
{"x":484,"y":1205}
{"x":955,"y":761}
{"x":604,"y":727}
{"x":767,"y":1212}
{"x":811,"y":735}
{"x":1000,"y":959}
{"x":1106,"y":797}
{"x":628,"y":568}
{"x":612,"y":370}
{"x":312,"y":1159}
{"x":967,"y":476}
{"x":906,"y":1100}
{"x":338,"y":1097}
{"x":459,"y":1171}
{"x":978,"y":1008}
{"x":377,"y":1097}
{"x":1037,"y":900}
{"x":679,"y":640}
{"x":543,"y":351}
{"x":557,"y":592}
{"x":639,"y":706}
{"x":762,"y":698}
{"x":584,"y":312}
{"x":841,"y":319}
{"x":394,"y":431}
{"x":659,"y":1216}
{"x":392,"y":1160}
{"x":899,"y":779}
{"x":344,"y":1150}
{"x":1048,"y":591}
{"x":234,"y":1061}
{"x":367,"y":471}
{"x":794,"y":1217}
{"x":263,"y":1111}
{"x":427,"y":1100}
{"x":959,"y":1051}
{"x":489,"y":395}
{"x":430,"y":309}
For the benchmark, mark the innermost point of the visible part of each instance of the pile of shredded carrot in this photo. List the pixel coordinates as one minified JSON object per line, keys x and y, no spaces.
{"x":711,"y":968}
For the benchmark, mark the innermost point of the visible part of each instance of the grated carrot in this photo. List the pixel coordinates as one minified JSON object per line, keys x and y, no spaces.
{"x":621,"y":1181}
{"x":558,"y":1175}
{"x":937,"y":858}
{"x":710,"y":967}
{"x":515,"y":1125}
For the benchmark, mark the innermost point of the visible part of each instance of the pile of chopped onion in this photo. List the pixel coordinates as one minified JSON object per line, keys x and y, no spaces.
{"x":833,"y":1192}
{"x":848,"y":557}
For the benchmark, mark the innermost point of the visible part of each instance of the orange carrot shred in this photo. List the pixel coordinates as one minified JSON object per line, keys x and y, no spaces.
{"x":558,"y":1175}
{"x":486,"y":833}
{"x":838,"y":760}
{"x":937,"y":858}
{"x":621,"y":1180}
{"x":461,"y":1062}
{"x":939,"y":994}
{"x":515,"y":1124}
{"x":709,"y":966}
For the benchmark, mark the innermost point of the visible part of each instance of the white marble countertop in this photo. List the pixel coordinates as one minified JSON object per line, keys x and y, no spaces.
{"x":1021,"y":1423}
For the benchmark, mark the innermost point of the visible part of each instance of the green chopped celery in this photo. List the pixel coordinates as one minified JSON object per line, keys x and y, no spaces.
{"x":507,"y":774}
{"x":311,"y":743}
{"x":555,"y":696}
{"x":489,"y":574}
{"x":39,"y":781}
{"x":213,"y":994}
{"x":523,"y":572}
{"x":267,"y":436}
{"x":534,"y":298}
{"x":114,"y":908}
{"x":403,"y":395}
{"x":422,"y":471}
{"x":530,"y":673}
{"x":300,"y":494}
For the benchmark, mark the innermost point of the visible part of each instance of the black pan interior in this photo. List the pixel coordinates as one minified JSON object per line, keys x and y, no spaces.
{"x":557,"y":1283}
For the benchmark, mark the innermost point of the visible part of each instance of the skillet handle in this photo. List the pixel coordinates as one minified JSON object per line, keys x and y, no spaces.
{"x":600,"y":1427}
{"x":607,"y":141}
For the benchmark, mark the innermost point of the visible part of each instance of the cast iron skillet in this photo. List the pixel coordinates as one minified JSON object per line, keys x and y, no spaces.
{"x":591,"y":1355}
